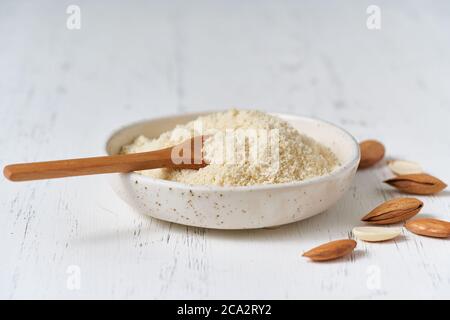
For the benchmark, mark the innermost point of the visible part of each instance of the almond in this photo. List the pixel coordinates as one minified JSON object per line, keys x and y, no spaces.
{"x":394,"y":211}
{"x":420,"y":183}
{"x":429,"y":227}
{"x":372,"y":151}
{"x":376,"y":234}
{"x":331,"y":250}
{"x":401,"y":167}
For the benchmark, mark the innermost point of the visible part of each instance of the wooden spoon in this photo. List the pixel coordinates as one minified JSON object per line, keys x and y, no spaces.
{"x":187,"y":155}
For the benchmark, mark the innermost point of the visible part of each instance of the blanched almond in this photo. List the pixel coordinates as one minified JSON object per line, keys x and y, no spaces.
{"x":375,"y":234}
{"x":402,"y":167}
{"x":331,"y":250}
{"x":429,"y":227}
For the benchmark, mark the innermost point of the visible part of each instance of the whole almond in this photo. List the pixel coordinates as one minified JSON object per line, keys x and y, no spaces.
{"x":394,"y":211}
{"x":331,"y":250}
{"x":429,"y":227}
{"x":372,"y":151}
{"x":401,"y":167}
{"x":420,"y":183}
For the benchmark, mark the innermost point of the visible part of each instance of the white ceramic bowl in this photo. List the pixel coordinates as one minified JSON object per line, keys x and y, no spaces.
{"x":245,"y":207}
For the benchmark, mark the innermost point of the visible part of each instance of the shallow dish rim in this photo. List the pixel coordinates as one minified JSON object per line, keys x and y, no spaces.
{"x":354,"y":160}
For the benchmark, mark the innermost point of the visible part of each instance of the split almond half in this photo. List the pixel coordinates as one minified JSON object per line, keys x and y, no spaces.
{"x":420,"y":183}
{"x":402,"y":167}
{"x":372,"y":151}
{"x":331,"y":250}
{"x":394,"y":211}
{"x":376,"y":234}
{"x":429,"y":227}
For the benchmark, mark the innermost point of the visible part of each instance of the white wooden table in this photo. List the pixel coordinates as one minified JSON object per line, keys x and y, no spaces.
{"x":63,"y":91}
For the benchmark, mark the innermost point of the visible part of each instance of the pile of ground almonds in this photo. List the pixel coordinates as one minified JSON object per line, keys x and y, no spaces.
{"x":245,"y":147}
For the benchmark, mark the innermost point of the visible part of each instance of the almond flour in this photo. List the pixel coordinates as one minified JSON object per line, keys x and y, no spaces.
{"x":282,"y":154}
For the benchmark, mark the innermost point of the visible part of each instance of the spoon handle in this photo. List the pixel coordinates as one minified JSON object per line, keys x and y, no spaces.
{"x":165,"y":158}
{"x":88,"y":166}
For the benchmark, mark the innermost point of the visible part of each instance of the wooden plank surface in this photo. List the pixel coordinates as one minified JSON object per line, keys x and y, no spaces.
{"x":62,"y":92}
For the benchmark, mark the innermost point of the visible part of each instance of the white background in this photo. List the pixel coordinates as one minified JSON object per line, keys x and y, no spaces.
{"x":63,"y":92}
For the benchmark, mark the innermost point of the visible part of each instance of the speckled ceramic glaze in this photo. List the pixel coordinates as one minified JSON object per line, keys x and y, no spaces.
{"x":237,"y":207}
